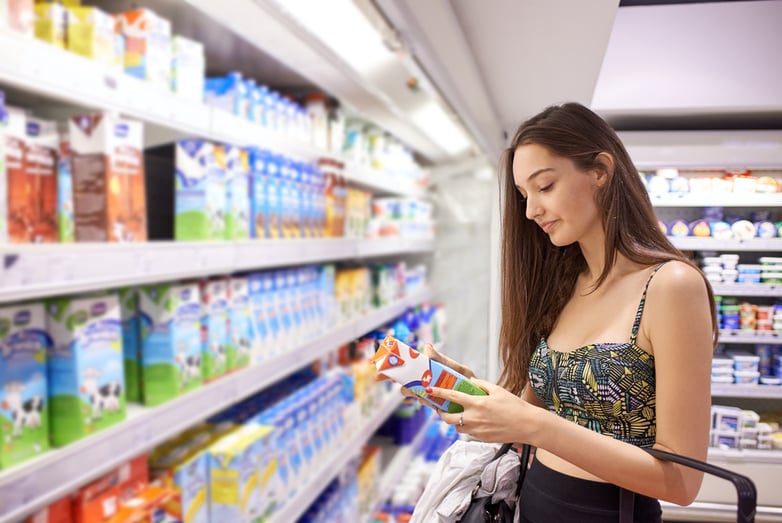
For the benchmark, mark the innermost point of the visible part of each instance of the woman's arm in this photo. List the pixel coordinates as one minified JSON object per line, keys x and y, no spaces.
{"x":677,"y":323}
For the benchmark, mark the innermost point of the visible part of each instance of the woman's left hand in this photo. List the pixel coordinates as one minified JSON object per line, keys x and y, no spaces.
{"x":495,"y":418}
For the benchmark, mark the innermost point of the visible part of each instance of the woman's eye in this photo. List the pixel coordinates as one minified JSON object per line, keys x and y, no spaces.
{"x":546,"y":188}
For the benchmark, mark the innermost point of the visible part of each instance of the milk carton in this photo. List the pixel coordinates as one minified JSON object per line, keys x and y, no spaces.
{"x":131,"y":342}
{"x":170,"y":329}
{"x":65,"y":223}
{"x":91,"y":34}
{"x":24,"y":403}
{"x":186,"y":469}
{"x":237,"y":198}
{"x":51,"y":23}
{"x":234,"y":475}
{"x":259,"y":205}
{"x":15,"y":145}
{"x":86,"y":378}
{"x":274,"y":196}
{"x":259,"y":321}
{"x":188,"y":66}
{"x":200,"y":199}
{"x":214,"y":327}
{"x":3,"y":173}
{"x":40,"y":182}
{"x":242,"y":344}
{"x":147,"y":46}
{"x":412,"y":369}
{"x":107,"y":164}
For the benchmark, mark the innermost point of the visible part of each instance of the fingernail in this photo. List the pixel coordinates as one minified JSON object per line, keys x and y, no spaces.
{"x":428,"y":390}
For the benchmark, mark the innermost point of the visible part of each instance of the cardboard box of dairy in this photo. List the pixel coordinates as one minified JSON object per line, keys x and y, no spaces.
{"x":24,"y":401}
{"x":51,"y":23}
{"x":107,"y":164}
{"x":65,"y":222}
{"x":188,"y":68}
{"x":91,"y":33}
{"x":3,"y":173}
{"x":214,"y":326}
{"x":147,"y":46}
{"x":200,"y":199}
{"x":86,"y":376}
{"x":39,"y":187}
{"x":170,"y":332}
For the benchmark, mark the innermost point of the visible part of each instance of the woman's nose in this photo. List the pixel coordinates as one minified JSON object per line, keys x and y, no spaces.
{"x":533,"y":209}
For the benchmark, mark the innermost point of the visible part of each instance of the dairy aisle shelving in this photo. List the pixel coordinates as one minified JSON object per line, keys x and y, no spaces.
{"x":32,"y":271}
{"x":716,"y":501}
{"x":294,"y":508}
{"x":31,"y":71}
{"x":33,"y":484}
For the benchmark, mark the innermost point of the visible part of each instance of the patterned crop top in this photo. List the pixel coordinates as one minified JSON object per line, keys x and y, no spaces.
{"x":606,"y":387}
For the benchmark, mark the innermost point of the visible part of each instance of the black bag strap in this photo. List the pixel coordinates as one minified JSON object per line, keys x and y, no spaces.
{"x":746,"y":505}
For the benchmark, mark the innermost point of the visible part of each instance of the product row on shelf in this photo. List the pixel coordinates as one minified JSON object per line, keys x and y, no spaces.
{"x":715,"y":223}
{"x":141,"y":44}
{"x":711,"y":183}
{"x":734,"y":428}
{"x":761,"y":366}
{"x":69,"y":364}
{"x":89,"y":180}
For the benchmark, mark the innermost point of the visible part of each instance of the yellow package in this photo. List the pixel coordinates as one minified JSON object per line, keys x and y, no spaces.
{"x":234,"y":475}
{"x":51,"y":24}
{"x":91,"y":33}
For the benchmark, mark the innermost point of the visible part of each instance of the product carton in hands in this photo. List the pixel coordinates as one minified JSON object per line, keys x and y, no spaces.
{"x":412,"y":369}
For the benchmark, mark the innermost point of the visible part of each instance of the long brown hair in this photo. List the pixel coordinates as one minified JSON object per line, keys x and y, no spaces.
{"x":538,"y":278}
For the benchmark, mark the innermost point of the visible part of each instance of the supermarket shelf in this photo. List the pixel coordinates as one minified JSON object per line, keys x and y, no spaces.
{"x":766,"y":457}
{"x":36,"y":67}
{"x":43,"y":69}
{"x":35,"y":271}
{"x":746,"y":391}
{"x":717,"y":200}
{"x":739,"y":336}
{"x":30,"y":486}
{"x":351,"y":448}
{"x":691,"y":243}
{"x":395,"y":470}
{"x":747,"y":289}
{"x":716,"y":512}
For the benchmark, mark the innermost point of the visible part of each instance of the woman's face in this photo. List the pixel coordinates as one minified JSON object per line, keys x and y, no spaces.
{"x":560,"y":197}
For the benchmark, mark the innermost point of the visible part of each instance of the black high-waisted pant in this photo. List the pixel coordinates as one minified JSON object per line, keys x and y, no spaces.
{"x":548,"y":496}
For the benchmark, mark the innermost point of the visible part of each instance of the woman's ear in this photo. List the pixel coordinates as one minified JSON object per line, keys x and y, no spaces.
{"x":605,"y":168}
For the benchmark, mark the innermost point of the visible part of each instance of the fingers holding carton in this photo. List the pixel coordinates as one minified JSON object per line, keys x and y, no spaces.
{"x":417,"y":372}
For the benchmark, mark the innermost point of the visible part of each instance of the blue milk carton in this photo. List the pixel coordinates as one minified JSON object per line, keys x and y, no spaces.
{"x":242,"y":344}
{"x":86,"y":376}
{"x":259,"y":204}
{"x":259,"y":323}
{"x":237,"y":198}
{"x":274,"y":195}
{"x":170,"y":335}
{"x":214,"y":327}
{"x":131,"y":342}
{"x":283,"y":308}
{"x":294,"y":306}
{"x":227,"y":93}
{"x":24,"y":402}
{"x":200,"y":193}
{"x":273,"y":314}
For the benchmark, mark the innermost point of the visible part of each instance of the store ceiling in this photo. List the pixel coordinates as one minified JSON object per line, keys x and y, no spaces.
{"x":660,"y":65}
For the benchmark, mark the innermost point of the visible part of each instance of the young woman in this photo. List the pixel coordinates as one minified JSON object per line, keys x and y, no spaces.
{"x":607,"y":331}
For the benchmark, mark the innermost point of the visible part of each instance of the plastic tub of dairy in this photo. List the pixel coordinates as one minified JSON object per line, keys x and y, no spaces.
{"x":770,"y":380}
{"x":722,"y":379}
{"x":722,"y":363}
{"x":745,"y":362}
{"x":725,"y":439}
{"x":746,"y":377}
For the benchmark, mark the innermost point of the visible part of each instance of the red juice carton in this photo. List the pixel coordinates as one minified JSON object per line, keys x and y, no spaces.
{"x":412,"y":369}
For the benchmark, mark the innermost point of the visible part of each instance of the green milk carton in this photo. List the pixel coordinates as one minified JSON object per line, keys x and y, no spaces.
{"x":131,"y":343}
{"x":200,"y":192}
{"x":86,"y":377}
{"x":170,"y":332}
{"x":24,"y":401}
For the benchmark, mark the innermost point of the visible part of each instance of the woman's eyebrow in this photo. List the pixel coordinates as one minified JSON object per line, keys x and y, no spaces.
{"x":534,"y":174}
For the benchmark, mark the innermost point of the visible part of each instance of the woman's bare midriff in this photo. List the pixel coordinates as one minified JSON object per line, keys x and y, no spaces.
{"x":560,"y":465}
